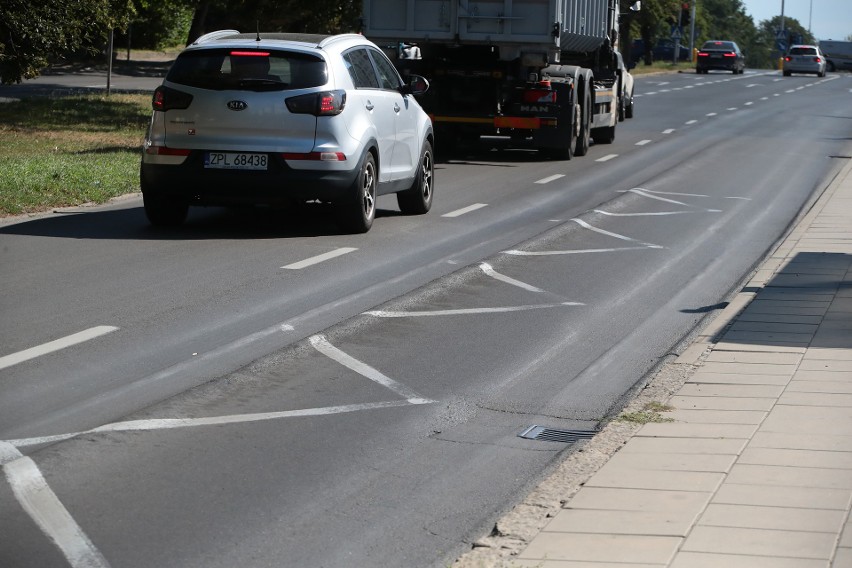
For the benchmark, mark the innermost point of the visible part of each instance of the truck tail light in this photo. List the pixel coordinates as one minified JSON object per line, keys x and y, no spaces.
{"x":326,"y":103}
{"x":540,"y":93}
{"x":166,"y":98}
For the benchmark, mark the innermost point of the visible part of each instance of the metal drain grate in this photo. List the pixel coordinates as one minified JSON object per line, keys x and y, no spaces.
{"x":554,"y":435}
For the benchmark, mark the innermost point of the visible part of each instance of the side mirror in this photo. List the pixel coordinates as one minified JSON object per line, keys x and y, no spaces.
{"x":417,"y":85}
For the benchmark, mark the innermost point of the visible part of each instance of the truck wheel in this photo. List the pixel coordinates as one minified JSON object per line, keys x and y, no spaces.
{"x":356,"y":211}
{"x":582,"y":145}
{"x":418,"y":199}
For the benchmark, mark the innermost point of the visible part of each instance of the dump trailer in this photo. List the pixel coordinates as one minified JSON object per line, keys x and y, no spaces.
{"x":526,"y":73}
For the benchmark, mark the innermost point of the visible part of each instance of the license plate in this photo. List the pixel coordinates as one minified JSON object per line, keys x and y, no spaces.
{"x":235,"y":161}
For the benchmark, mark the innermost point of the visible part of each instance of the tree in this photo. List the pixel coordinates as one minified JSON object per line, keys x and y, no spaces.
{"x":300,"y":16}
{"x":31,"y":34}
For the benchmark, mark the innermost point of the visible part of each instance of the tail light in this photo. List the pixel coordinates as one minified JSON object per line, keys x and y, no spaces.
{"x":166,"y":98}
{"x":703,"y":54}
{"x":818,"y":59}
{"x":730,"y":54}
{"x":326,"y":103}
{"x":541,"y":93}
{"x":788,"y":58}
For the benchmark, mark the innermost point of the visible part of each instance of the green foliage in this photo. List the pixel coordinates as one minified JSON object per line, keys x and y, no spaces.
{"x":158,"y":25}
{"x":31,"y":34}
{"x":303,"y":16}
{"x":68,"y":151}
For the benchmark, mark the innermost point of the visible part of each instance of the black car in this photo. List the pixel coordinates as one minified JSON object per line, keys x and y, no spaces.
{"x":721,"y":55}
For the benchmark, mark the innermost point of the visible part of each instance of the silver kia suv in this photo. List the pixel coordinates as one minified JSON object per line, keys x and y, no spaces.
{"x":283,"y":118}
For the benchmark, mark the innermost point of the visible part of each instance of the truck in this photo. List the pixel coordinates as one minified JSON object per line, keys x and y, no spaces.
{"x":838,"y":54}
{"x":536,"y":74}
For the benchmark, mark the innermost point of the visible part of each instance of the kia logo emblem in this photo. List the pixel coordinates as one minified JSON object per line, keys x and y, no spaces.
{"x":237,"y":105}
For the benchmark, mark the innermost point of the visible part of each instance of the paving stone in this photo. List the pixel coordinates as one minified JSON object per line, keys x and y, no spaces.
{"x":783,"y":496}
{"x":773,"y":518}
{"x":746,"y":474}
{"x":746,"y":357}
{"x":624,"y":499}
{"x":797,"y":457}
{"x":655,"y":479}
{"x":657,"y":523}
{"x":820,"y":387}
{"x":717,"y":416}
{"x":760,"y":542}
{"x":816,"y":399}
{"x":728,"y":390}
{"x":764,"y":348}
{"x":722,"y":402}
{"x":826,"y":365}
{"x":654,"y":461}
{"x":605,"y":548}
{"x":809,"y":420}
{"x":739,"y":378}
{"x":843,"y":559}
{"x":683,"y":446}
{"x":826,"y":442}
{"x":684,"y":430}
{"x":749,"y":368}
{"x":706,"y":560}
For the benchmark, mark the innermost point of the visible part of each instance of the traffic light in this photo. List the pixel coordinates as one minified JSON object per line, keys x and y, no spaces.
{"x":684,"y":14}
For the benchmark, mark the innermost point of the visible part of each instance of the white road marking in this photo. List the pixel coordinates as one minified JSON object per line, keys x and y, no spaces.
{"x":551,"y":178}
{"x":711,"y":114}
{"x":468,"y":311}
{"x":668,"y":131}
{"x":464,"y":210}
{"x":611,"y":234}
{"x":607,"y":158}
{"x":319,"y":258}
{"x":764,"y":98}
{"x":564,"y":252}
{"x":752,"y":85}
{"x":44,"y":507}
{"x":489,"y":270}
{"x":748,"y":103}
{"x":664,"y":192}
{"x":640,"y":214}
{"x":651,"y":93}
{"x":322,"y":345}
{"x":172,"y":423}
{"x":732,"y":108}
{"x":691,"y":121}
{"x":645,"y":193}
{"x":55,"y":345}
{"x":643,"y":142}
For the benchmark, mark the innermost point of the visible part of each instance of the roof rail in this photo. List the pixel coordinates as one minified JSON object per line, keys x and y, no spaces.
{"x":215,"y":35}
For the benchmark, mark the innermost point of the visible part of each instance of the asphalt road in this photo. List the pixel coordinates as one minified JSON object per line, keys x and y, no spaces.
{"x":256,"y":389}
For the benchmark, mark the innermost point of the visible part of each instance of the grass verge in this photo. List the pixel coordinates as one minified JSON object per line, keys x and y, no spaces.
{"x":65,"y":151}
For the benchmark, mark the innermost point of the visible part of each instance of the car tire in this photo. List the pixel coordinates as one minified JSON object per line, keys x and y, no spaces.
{"x":787,"y":73}
{"x":628,"y":111}
{"x":417,"y":200}
{"x":162,"y":208}
{"x":356,"y":211}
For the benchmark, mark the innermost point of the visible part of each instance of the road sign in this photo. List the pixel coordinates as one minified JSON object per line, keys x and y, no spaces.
{"x":677,"y":33}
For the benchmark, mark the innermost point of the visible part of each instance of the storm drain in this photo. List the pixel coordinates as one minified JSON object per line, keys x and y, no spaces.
{"x":555,"y":435}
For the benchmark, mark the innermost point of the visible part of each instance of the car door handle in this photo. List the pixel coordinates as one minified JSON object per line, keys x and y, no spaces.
{"x":370,"y":105}
{"x":396,"y":107}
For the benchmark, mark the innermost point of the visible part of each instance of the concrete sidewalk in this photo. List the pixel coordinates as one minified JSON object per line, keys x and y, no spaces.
{"x":755,"y":470}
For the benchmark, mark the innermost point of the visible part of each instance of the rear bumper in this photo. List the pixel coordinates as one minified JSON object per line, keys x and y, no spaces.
{"x":279,"y":184}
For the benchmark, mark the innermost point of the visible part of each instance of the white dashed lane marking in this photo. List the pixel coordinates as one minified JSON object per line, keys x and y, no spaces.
{"x":55,"y":345}
{"x":463,"y":210}
{"x":319,"y":258}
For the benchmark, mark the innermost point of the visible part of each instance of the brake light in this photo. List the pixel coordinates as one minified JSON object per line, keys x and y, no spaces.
{"x":316,"y":156}
{"x":730,"y":54}
{"x":326,"y":103}
{"x":250,"y":53}
{"x":818,"y":59}
{"x":542,"y":94}
{"x":703,"y":54}
{"x":788,"y":58}
{"x":166,"y":98}
{"x":166,"y":151}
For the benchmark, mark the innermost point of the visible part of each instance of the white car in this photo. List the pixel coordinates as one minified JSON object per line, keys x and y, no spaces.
{"x":804,"y":59}
{"x":280,"y":118}
{"x":625,"y":100}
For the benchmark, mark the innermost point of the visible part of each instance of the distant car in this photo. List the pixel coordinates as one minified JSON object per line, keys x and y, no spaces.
{"x":804,"y":59}
{"x":625,"y":97}
{"x":720,"y":55}
{"x":270,"y":118}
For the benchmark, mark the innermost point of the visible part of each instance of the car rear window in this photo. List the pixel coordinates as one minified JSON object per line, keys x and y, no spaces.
{"x":718,"y":45}
{"x":803,"y":51}
{"x":248,"y":69}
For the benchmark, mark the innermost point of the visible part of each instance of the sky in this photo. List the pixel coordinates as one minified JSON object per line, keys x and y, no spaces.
{"x":828,"y":19}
